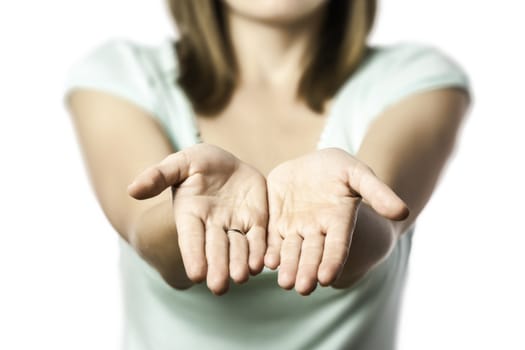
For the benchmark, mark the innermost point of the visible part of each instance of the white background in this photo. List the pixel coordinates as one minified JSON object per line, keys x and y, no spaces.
{"x":58,"y":256}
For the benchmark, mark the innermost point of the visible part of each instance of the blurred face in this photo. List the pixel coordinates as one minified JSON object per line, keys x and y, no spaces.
{"x":279,"y":12}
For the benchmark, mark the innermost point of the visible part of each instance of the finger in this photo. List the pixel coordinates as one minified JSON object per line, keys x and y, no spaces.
{"x":217,"y":253}
{"x":311,"y":255}
{"x":336,"y":247}
{"x":190,"y":231}
{"x":272,"y":257}
{"x":256,"y":238}
{"x":291,"y":249}
{"x":385,"y":202}
{"x":155,"y":179}
{"x":239,"y":271}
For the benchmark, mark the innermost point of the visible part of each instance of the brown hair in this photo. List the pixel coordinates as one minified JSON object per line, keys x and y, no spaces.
{"x":208,"y":71}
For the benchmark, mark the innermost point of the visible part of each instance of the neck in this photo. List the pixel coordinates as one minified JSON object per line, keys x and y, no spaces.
{"x":269,"y":54}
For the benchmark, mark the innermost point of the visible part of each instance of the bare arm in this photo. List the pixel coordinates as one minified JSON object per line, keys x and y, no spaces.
{"x":407,"y":148}
{"x":110,"y":132}
{"x":185,"y":236}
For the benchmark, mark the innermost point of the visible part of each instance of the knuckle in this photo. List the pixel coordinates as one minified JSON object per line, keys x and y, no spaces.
{"x":156,"y":178}
{"x":256,"y":242}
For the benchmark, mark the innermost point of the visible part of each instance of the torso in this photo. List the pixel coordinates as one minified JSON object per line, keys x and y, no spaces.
{"x":264,"y":128}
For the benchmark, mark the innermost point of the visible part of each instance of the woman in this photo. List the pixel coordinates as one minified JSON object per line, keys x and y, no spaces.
{"x":260,"y":130}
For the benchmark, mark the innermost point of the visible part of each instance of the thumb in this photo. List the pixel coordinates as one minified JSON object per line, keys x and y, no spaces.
{"x":375,"y":193}
{"x":172,"y":170}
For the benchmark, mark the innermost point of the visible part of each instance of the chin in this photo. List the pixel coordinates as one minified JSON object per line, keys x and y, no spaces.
{"x":275,"y":11}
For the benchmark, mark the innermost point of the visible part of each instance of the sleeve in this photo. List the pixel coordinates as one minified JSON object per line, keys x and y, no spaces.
{"x":419,"y":68}
{"x":113,"y":67}
{"x":402,"y":71}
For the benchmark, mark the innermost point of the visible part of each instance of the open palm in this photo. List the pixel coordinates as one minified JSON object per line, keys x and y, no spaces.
{"x":313,"y":203}
{"x":213,"y":191}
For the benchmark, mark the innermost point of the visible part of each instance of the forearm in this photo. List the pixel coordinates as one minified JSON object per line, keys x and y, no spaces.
{"x":153,"y":234}
{"x":407,"y":147}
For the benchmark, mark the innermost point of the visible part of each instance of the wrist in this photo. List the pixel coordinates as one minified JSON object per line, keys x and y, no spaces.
{"x":373,"y":240}
{"x":154,"y":237}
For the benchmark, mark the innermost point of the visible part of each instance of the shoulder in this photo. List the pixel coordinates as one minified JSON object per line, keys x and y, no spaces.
{"x":408,"y":52}
{"x":120,"y":52}
{"x":387,"y":74}
{"x":405,"y":68}
{"x":418,"y":60}
{"x":390,"y":73}
{"x":125,"y":68}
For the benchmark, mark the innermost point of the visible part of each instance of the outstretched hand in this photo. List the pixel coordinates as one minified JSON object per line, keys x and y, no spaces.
{"x":213,"y":192}
{"x":313,"y":203}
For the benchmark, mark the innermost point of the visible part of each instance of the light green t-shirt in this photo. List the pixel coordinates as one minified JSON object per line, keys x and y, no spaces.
{"x":259,"y":314}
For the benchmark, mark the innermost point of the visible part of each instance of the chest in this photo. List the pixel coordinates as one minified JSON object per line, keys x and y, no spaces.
{"x":262,"y":130}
